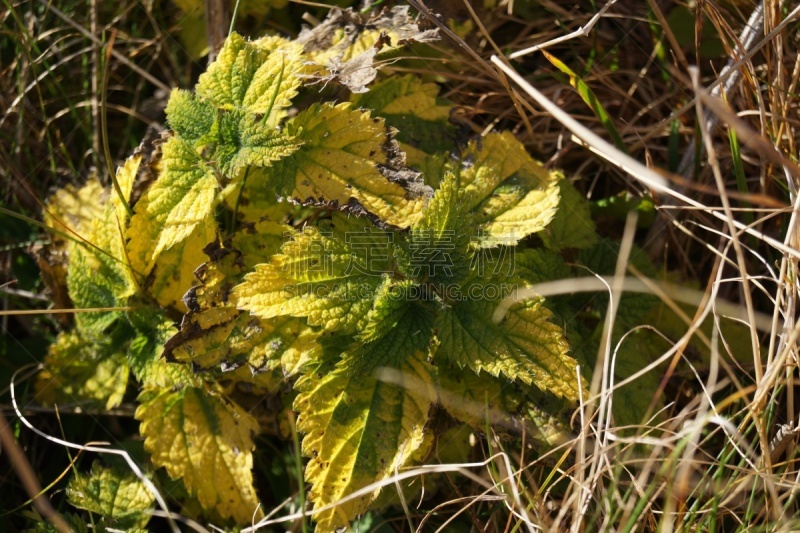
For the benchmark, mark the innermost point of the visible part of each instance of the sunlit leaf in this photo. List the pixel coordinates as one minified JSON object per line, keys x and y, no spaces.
{"x":328,"y":276}
{"x":511,"y":195}
{"x":173,"y":272}
{"x":524,"y":346}
{"x":99,"y":274}
{"x":74,"y":208}
{"x":215,"y":334}
{"x":359,"y":430}
{"x":243,"y":140}
{"x":258,"y":77}
{"x":151,"y":330}
{"x":189,"y":116}
{"x":439,"y":244}
{"x":415,"y":111}
{"x":338,"y":164}
{"x":182,"y":198}
{"x":205,"y":441}
{"x":114,"y":494}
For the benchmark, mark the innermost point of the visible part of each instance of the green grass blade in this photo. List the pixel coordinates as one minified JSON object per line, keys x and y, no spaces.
{"x":591,"y":100}
{"x":738,"y":172}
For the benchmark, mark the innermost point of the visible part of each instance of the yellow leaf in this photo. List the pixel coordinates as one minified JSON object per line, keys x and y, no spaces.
{"x":253,"y":200}
{"x":258,"y":77}
{"x":126,"y":177}
{"x":99,"y":272}
{"x":66,"y":211}
{"x":358,"y":431}
{"x":181,"y":199}
{"x":321,"y":276}
{"x":73,"y":209}
{"x":415,"y":111}
{"x":173,"y":272}
{"x":511,"y":194}
{"x":113,"y":493}
{"x":338,"y":164}
{"x":206,"y":442}
{"x":215,"y":334}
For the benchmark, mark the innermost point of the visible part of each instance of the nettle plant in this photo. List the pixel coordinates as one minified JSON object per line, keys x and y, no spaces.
{"x":345,"y":256}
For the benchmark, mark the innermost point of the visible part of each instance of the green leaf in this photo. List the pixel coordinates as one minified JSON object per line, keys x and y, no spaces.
{"x":205,"y":441}
{"x":95,"y":280}
{"x":439,"y":246}
{"x":156,"y":372}
{"x":254,"y":200}
{"x":547,"y":419}
{"x":398,"y":327}
{"x":329,"y":277}
{"x":572,"y":226}
{"x":510,"y":194}
{"x":112,"y":493}
{"x":359,"y":430}
{"x":478,"y":399}
{"x":532,"y":265}
{"x":632,"y":401}
{"x":151,"y":329}
{"x":84,"y":369}
{"x":189,"y":116}
{"x":338,"y":165}
{"x":75,"y":522}
{"x":98,"y":272}
{"x":734,"y":334}
{"x":524,"y":346}
{"x":633,"y":307}
{"x":243,"y":140}
{"x":181,"y":199}
{"x":257,"y":77}
{"x":434,"y":167}
{"x":537,"y":265}
{"x":392,"y":300}
{"x":590,"y":99}
{"x":617,"y":208}
{"x":258,"y":242}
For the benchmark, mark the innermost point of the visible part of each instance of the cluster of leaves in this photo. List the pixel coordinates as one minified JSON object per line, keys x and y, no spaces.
{"x":355,"y":251}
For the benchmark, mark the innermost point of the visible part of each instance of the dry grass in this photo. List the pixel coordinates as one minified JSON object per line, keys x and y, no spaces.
{"x":723,"y":455}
